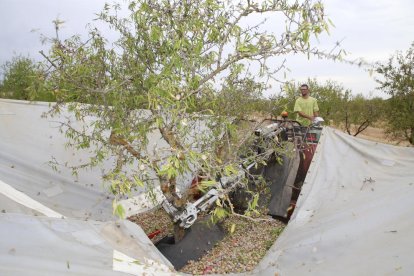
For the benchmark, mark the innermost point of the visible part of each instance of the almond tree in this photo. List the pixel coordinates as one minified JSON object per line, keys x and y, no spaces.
{"x":169,"y":56}
{"x":22,"y":79}
{"x":398,"y":82}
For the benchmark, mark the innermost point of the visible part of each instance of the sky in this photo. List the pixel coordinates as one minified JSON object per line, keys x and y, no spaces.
{"x":369,"y":29}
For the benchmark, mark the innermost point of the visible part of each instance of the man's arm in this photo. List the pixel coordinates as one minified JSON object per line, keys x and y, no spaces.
{"x":302,"y":114}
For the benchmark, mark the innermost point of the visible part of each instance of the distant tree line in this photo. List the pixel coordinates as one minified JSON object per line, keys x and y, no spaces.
{"x":24,"y":79}
{"x":338,"y":106}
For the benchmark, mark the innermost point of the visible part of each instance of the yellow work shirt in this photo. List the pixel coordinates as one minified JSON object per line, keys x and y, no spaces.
{"x":307,"y":106}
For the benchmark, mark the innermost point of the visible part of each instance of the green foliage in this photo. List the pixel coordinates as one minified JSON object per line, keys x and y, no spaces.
{"x":252,"y":205}
{"x":398,"y":82}
{"x":182,"y":61}
{"x":218,"y":214}
{"x":238,"y":98}
{"x":360,"y":113}
{"x":118,"y":209}
{"x":23,"y":79}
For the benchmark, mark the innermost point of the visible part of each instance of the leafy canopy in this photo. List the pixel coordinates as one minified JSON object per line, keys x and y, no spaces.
{"x":23,"y":79}
{"x":398,"y":82}
{"x":177,"y":60}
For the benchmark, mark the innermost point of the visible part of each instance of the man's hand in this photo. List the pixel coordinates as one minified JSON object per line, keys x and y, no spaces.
{"x":301,"y":114}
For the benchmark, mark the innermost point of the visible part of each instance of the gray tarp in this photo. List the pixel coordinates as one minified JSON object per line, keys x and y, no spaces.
{"x":52,"y":223}
{"x":27,"y":143}
{"x":31,"y":245}
{"x":354,"y":217}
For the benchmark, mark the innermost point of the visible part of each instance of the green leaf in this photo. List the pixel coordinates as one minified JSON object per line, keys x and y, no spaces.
{"x":155,"y":33}
{"x":206,"y":184}
{"x":119,"y":211}
{"x":305,"y":36}
{"x":230,"y":170}
{"x":138,"y":181}
{"x":243,"y":48}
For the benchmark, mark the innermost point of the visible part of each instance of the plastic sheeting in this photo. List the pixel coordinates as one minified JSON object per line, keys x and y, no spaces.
{"x":27,"y":143}
{"x":49,"y":246}
{"x":354,"y":216}
{"x":52,"y":223}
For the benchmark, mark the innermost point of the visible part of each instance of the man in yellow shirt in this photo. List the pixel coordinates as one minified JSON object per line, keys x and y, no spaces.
{"x":306,"y":107}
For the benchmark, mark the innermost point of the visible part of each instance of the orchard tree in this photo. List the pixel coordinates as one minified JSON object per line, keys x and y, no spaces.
{"x":23,"y":79}
{"x":169,"y":58}
{"x":398,"y":82}
{"x":359,"y":113}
